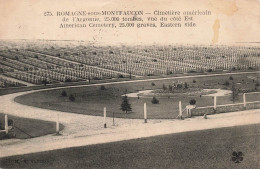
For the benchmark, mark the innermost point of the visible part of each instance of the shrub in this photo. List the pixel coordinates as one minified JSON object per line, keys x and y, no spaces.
{"x":179,"y":86}
{"x":154,"y":100}
{"x":153,"y":84}
{"x":226,"y":83}
{"x":194,"y":81}
{"x":192,"y":102}
{"x":96,"y":78}
{"x":68,"y":80}
{"x":102,"y":87}
{"x":45,"y":82}
{"x":170,"y":87}
{"x":64,"y":93}
{"x":230,"y":78}
{"x":185,"y":85}
{"x":120,"y":76}
{"x":164,"y":87}
{"x":72,"y":98}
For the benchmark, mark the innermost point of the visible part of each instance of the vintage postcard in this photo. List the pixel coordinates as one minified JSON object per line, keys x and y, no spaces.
{"x":130,"y":84}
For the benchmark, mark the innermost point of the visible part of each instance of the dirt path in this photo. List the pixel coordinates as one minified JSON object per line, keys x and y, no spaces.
{"x":91,"y":131}
{"x":138,"y":93}
{"x":219,"y":92}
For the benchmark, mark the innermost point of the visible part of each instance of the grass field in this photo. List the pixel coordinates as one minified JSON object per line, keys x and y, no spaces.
{"x":91,"y":100}
{"x":28,"y":128}
{"x":200,"y":149}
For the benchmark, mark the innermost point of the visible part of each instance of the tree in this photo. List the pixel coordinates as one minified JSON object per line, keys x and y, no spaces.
{"x":125,"y":106}
{"x":192,"y":102}
{"x":72,"y":98}
{"x":64,"y":93}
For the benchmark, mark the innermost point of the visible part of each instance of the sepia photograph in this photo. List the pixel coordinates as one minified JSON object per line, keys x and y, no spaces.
{"x":127,"y":84}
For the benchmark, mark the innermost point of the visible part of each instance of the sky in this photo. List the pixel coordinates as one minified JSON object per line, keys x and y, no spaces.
{"x":230,"y":21}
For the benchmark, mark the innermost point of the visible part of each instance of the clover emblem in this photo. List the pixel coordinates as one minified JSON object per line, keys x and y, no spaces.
{"x":237,"y":157}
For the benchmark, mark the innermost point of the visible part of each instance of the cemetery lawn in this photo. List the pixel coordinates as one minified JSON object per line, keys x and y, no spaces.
{"x":33,"y":127}
{"x":92,"y":99}
{"x":199,"y":149}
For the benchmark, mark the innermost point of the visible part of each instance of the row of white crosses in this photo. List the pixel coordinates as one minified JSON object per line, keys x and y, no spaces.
{"x":133,"y":68}
{"x":191,"y":60}
{"x":161,"y":64}
{"x":53,"y":75}
{"x":215,"y":60}
{"x":6,"y":83}
{"x":91,"y":61}
{"x":141,"y":66}
{"x":99,"y":71}
{"x":97,"y":57}
{"x":24,"y":76}
{"x":38,"y":63}
{"x":15,"y":64}
{"x":105,"y":72}
{"x":186,"y":65}
{"x":6,"y":68}
{"x":138,"y":61}
{"x":19,"y":74}
{"x":78,"y":71}
{"x":37,"y":76}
